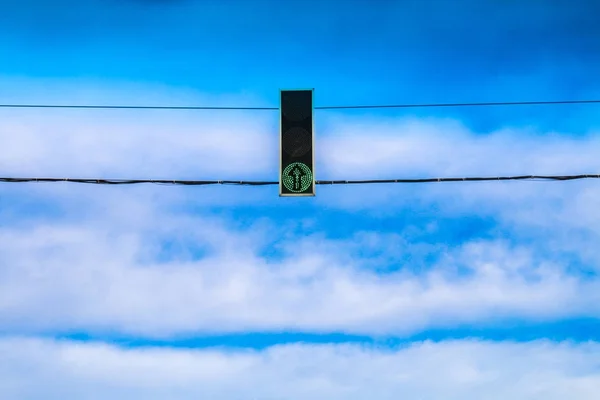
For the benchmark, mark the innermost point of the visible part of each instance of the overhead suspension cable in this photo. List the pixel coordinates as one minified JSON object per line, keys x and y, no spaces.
{"x":318,"y":182}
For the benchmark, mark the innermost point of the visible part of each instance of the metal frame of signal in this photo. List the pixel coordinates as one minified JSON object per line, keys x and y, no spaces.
{"x":312,"y":115}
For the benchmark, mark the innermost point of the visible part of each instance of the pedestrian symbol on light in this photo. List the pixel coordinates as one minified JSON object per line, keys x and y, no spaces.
{"x":297,"y":177}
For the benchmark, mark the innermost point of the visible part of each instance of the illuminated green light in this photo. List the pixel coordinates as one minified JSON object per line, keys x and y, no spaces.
{"x":297,"y":177}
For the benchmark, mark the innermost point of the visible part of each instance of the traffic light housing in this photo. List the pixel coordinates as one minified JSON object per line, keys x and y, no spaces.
{"x":296,"y":172}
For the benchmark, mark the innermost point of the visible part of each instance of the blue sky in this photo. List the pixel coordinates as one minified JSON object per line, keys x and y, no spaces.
{"x":438,"y":290}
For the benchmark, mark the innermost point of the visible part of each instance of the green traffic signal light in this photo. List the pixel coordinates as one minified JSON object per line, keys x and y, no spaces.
{"x":296,"y":174}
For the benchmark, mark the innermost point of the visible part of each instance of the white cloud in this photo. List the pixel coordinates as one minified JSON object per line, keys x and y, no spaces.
{"x":33,"y":368}
{"x":107,"y":275}
{"x":377,"y":147}
{"x":233,"y":145}
{"x":147,"y":144}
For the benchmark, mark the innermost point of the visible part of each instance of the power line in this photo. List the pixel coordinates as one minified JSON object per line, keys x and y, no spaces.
{"x":424,"y":105}
{"x":347,"y":107}
{"x":134,"y":107}
{"x":319,"y":182}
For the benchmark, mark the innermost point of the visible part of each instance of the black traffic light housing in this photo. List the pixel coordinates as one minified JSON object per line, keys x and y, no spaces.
{"x":297,"y":150}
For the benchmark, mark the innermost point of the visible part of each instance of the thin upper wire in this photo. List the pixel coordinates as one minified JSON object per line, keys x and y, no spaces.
{"x":134,"y":107}
{"x":503,"y":103}
{"x":319,"y":182}
{"x":424,"y":105}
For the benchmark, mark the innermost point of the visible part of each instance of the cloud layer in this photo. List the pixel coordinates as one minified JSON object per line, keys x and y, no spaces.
{"x":449,"y":370}
{"x":118,"y":277}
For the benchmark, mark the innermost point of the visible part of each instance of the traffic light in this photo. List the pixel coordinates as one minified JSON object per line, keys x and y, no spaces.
{"x":296,"y":172}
